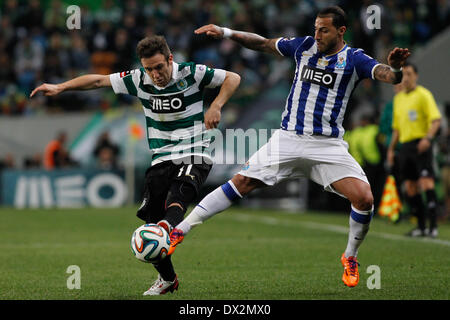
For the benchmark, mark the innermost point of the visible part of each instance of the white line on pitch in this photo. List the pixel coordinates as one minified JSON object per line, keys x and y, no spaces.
{"x":328,"y":227}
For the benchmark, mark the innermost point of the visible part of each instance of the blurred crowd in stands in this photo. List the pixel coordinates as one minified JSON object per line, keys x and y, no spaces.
{"x":56,"y":155}
{"x":36,"y":46}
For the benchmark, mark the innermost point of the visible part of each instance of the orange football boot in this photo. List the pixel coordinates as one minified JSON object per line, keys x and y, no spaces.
{"x":351,"y":274}
{"x":176,"y":237}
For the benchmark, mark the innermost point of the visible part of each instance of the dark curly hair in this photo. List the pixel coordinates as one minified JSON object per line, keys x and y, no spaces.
{"x":152,"y":45}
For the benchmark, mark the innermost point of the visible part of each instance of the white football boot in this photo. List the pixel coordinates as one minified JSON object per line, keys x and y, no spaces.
{"x":162,"y":287}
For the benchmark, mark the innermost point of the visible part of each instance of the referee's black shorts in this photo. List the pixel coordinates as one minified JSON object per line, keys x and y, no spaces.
{"x":414,"y":165}
{"x":159,"y":179}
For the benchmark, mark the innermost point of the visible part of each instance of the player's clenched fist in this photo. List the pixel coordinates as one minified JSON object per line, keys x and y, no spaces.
{"x":212,"y":117}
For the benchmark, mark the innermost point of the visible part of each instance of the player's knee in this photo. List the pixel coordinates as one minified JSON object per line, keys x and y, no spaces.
{"x":245,"y":184}
{"x":426,"y":183}
{"x":176,"y":204}
{"x":411,"y":188}
{"x":364,"y":202}
{"x":181,"y":194}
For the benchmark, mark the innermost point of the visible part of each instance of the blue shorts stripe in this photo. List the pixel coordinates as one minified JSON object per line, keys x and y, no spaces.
{"x":361,"y":218}
{"x":229,"y":191}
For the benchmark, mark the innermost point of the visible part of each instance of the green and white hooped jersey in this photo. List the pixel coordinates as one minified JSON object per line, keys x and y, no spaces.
{"x":174,"y":114}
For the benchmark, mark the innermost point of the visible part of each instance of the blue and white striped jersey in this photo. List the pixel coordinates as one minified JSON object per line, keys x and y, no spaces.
{"x":322,"y":86}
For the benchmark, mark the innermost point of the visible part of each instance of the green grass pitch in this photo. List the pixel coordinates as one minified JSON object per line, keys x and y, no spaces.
{"x":240,"y":254}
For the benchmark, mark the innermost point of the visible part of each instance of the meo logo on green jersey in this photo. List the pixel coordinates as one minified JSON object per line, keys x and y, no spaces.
{"x":168,"y":104}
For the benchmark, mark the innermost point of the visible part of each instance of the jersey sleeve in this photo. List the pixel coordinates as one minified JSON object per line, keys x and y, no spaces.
{"x":395,"y":120}
{"x":288,"y":46}
{"x":123,"y":82}
{"x":364,"y":64}
{"x":209,"y":77}
{"x":430,"y":105}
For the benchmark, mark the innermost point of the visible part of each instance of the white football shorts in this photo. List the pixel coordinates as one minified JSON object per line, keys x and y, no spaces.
{"x":322,"y":159}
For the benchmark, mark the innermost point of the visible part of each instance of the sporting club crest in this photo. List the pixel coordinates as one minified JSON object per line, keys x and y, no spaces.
{"x":182,"y":84}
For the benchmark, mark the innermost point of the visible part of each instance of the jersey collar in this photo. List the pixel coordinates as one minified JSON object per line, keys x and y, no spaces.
{"x":175,"y":71}
{"x":343,"y":48}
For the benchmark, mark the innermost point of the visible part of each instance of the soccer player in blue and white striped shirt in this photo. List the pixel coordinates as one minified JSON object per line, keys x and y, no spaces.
{"x":309,"y":142}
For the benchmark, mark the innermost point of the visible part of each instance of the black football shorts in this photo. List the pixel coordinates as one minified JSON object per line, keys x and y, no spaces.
{"x":158,"y":181}
{"x":414,"y":165}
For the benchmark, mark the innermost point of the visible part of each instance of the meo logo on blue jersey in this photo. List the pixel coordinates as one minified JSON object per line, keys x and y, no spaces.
{"x":318,"y":76}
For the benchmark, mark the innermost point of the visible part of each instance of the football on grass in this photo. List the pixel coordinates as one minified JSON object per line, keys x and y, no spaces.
{"x":150,"y":243}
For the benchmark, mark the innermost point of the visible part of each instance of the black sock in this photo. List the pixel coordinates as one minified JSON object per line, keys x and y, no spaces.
{"x":165,"y":269}
{"x":431,"y":206}
{"x":418,"y":209}
{"x":174,"y":215}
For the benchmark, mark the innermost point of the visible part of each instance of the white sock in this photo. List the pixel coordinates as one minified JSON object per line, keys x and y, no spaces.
{"x":215,"y":202}
{"x":359,"y":226}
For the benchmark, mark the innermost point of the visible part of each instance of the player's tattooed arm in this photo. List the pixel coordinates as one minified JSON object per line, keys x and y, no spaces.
{"x":247,"y":39}
{"x":385,"y":73}
{"x":255,"y":42}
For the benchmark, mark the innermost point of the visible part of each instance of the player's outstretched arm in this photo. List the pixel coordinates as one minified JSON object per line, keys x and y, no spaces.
{"x":247,"y":39}
{"x":86,"y":82}
{"x":229,"y":86}
{"x":392,"y":73}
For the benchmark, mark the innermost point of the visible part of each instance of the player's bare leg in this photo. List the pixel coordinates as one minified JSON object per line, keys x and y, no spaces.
{"x":360,"y":196}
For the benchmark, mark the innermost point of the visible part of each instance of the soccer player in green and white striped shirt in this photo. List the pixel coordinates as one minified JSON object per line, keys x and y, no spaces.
{"x":172,"y":98}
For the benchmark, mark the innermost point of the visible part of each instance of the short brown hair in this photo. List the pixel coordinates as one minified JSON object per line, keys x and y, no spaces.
{"x":152,"y":45}
{"x":336,"y":13}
